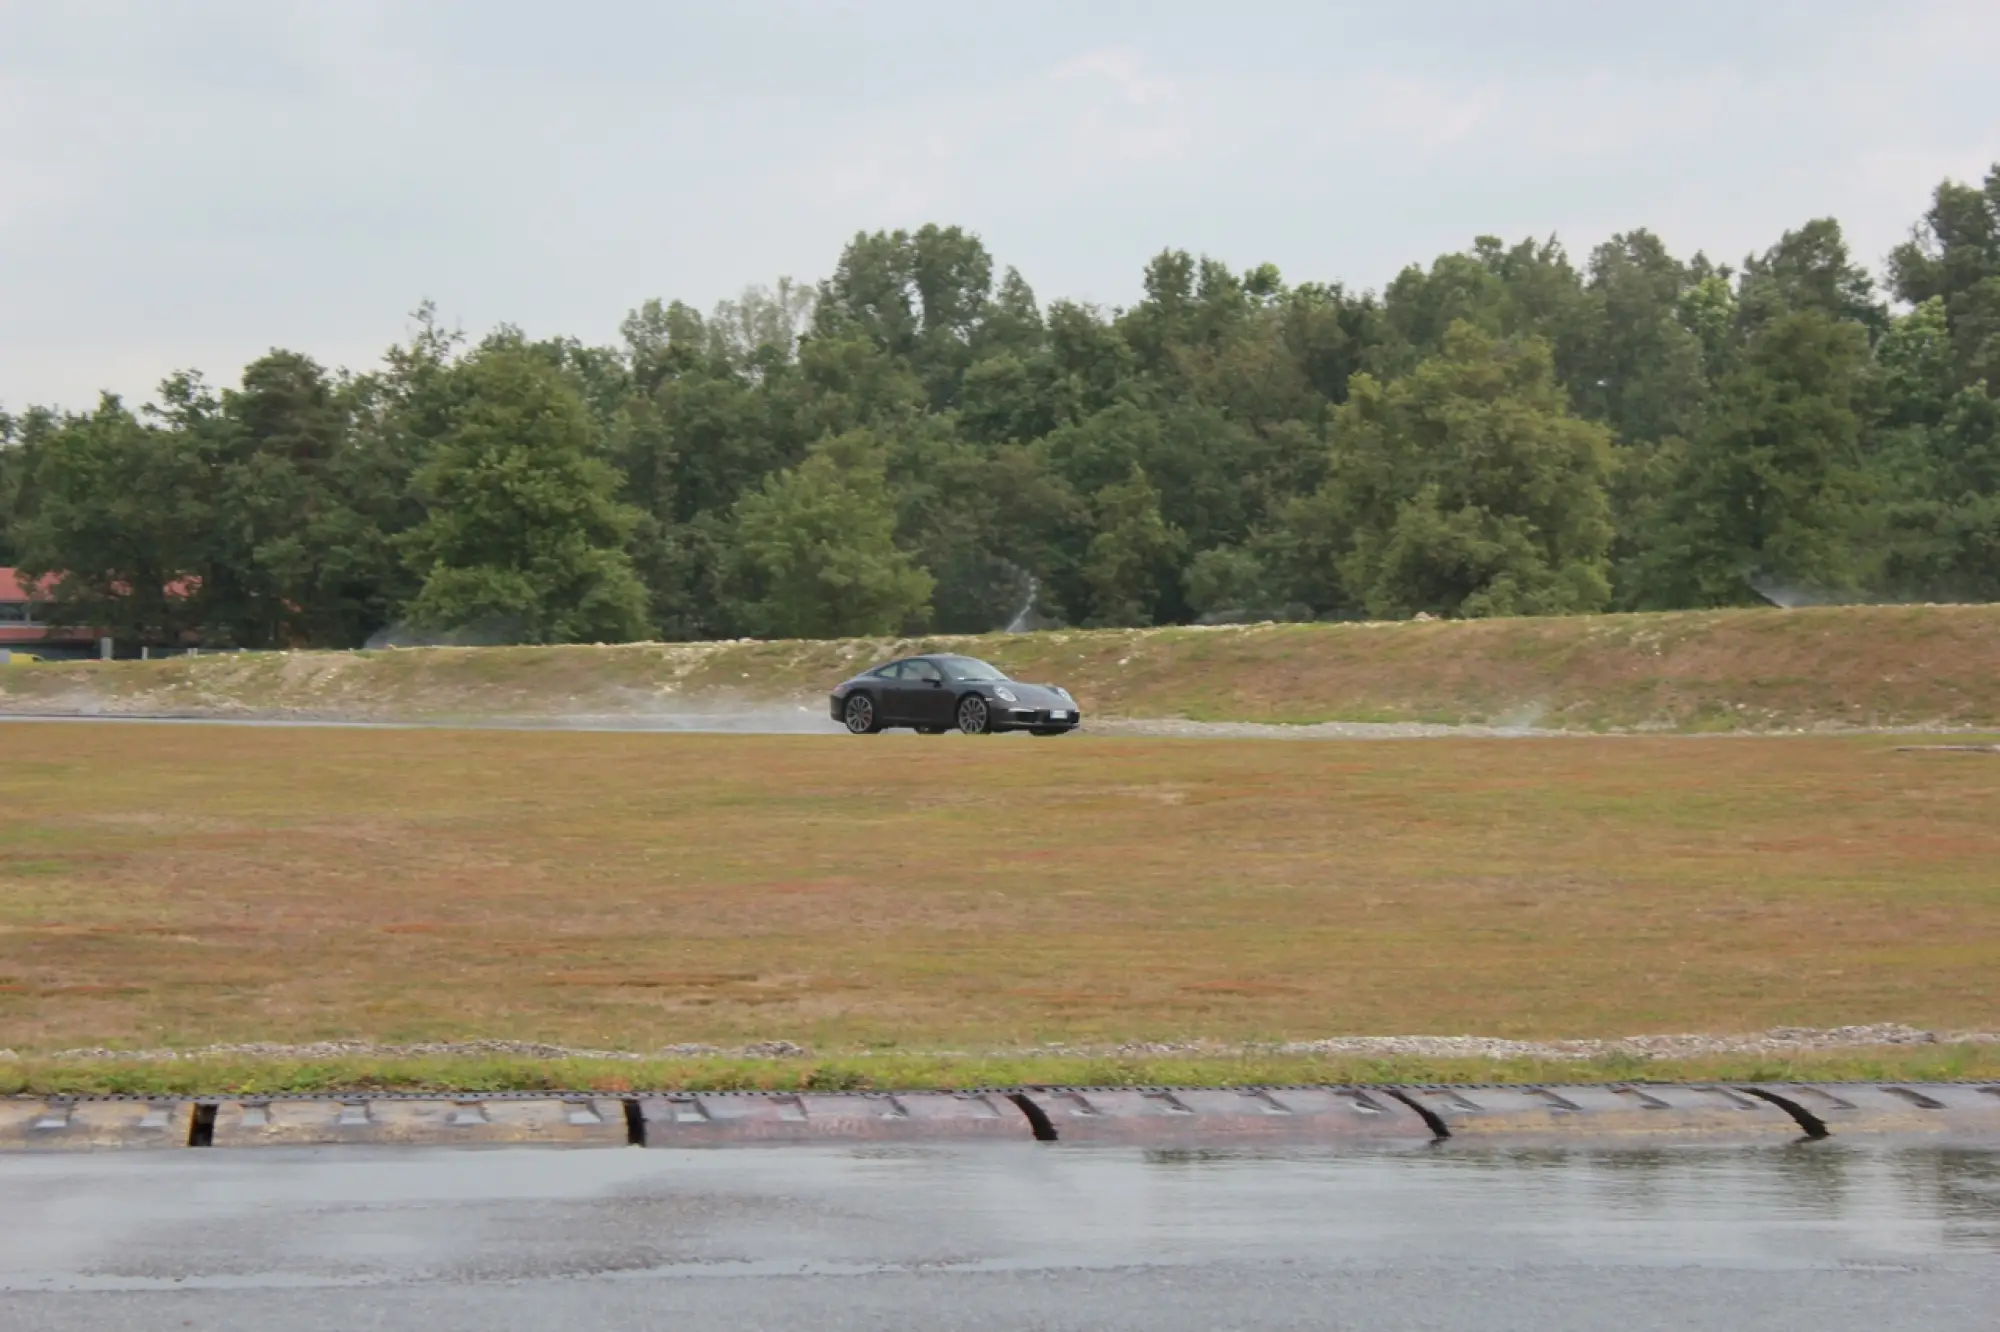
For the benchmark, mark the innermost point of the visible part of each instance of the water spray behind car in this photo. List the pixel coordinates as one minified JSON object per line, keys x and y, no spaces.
{"x":1024,"y":617}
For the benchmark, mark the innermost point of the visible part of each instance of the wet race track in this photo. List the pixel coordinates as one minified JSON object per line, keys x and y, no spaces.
{"x":799,"y":719}
{"x":774,"y":720}
{"x":1804,"y":1235}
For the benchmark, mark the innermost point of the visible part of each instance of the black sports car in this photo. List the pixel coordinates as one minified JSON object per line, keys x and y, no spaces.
{"x":936,"y":693}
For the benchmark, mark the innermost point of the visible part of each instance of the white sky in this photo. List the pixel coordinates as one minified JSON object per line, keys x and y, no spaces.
{"x":186,"y":183}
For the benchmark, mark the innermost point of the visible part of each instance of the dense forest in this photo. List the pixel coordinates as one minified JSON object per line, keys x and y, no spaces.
{"x":919,"y":442}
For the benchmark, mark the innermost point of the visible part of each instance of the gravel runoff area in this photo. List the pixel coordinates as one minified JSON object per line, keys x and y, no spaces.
{"x":1778,"y":1041}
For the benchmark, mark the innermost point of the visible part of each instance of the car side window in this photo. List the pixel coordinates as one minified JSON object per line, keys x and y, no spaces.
{"x":893,"y":671}
{"x":923,"y":670}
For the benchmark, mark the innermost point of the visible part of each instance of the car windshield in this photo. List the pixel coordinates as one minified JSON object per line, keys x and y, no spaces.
{"x":970,"y":668}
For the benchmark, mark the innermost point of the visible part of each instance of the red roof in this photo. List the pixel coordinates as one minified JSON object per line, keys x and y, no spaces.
{"x":12,"y":588}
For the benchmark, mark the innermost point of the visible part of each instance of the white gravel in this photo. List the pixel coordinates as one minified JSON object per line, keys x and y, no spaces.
{"x":1778,"y":1041}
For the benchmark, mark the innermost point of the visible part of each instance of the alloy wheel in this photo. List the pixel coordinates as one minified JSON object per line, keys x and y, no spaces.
{"x":861,"y":715}
{"x":972,"y":716}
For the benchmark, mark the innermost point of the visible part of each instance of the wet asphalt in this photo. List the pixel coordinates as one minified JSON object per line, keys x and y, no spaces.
{"x":775,"y":720}
{"x":1816,"y":1236}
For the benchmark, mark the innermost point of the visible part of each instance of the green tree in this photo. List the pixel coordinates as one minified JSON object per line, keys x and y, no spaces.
{"x":396,"y":415}
{"x":14,"y":463}
{"x":816,"y":546}
{"x":1953,"y":256}
{"x":1328,"y":332}
{"x":761,"y":327}
{"x":525,"y":539}
{"x":1465,"y":488}
{"x":1771,"y":493}
{"x":1133,"y":566}
{"x":844,"y":383}
{"x":1527,"y":289}
{"x":1010,"y":399}
{"x":1012,"y":324}
{"x":1935,"y":465}
{"x":922,"y":299}
{"x":295,"y":549}
{"x":1664,"y":330}
{"x":1091,"y":363}
{"x":1232,"y":441}
{"x":1707,"y":309}
{"x":1229,"y":580}
{"x":114,"y":535}
{"x":1810,"y":270}
{"x":1642,"y":368}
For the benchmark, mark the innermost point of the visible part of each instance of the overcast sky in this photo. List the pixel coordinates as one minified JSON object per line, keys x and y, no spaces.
{"x":186,"y":183}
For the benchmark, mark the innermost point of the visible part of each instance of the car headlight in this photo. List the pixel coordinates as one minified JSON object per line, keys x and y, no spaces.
{"x":1005,"y":696}
{"x":1064,"y":693}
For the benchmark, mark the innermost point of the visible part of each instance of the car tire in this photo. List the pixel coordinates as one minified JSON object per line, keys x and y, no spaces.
{"x":974,"y":717}
{"x":860,"y":717}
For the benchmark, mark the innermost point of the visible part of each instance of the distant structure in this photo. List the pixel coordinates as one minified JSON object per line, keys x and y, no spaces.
{"x":22,"y":630}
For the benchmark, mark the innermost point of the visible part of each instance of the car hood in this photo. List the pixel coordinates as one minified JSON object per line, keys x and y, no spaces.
{"x":1034,"y":695}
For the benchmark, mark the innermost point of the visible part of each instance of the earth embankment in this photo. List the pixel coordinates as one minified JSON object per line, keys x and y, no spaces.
{"x":1731,"y":670}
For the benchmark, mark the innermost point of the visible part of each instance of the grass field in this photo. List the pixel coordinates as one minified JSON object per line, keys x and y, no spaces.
{"x":899,"y":898}
{"x":1737,"y":670}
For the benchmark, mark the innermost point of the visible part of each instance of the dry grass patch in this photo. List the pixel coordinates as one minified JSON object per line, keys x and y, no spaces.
{"x":183,"y":886}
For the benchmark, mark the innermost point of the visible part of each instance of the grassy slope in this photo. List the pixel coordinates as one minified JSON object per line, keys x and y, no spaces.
{"x":1720,"y":670}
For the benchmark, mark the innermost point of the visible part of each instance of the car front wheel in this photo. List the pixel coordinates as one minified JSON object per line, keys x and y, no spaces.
{"x":860,"y":715}
{"x":973,"y":718}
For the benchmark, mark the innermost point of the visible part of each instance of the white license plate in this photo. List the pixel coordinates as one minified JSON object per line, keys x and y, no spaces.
{"x":1058,"y":716}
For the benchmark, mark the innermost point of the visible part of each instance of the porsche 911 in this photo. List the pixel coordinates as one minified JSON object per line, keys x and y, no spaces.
{"x":938,"y":693}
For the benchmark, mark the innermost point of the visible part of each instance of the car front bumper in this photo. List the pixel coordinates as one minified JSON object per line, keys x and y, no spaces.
{"x":1019,"y":717}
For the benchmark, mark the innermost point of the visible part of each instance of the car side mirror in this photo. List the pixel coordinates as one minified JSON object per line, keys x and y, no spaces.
{"x":937,"y":684}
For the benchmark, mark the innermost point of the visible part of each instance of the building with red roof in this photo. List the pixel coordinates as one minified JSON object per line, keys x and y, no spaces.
{"x":22,"y":628}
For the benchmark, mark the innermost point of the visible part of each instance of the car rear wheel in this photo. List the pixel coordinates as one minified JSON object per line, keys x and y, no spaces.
{"x":860,"y":715}
{"x":973,"y":718}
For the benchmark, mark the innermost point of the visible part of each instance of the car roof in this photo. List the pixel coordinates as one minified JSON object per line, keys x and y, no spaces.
{"x":933,"y":657}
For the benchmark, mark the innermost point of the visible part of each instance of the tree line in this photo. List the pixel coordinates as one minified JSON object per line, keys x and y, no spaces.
{"x":920,"y":443}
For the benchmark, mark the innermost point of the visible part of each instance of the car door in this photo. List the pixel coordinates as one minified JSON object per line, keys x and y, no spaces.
{"x":927,"y":699}
{"x":888,"y":687}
